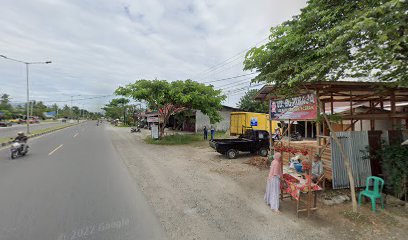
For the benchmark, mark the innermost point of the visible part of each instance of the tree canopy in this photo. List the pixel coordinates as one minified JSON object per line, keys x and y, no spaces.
{"x":116,"y":108}
{"x":248,"y":104}
{"x":172,"y":97}
{"x":332,"y":40}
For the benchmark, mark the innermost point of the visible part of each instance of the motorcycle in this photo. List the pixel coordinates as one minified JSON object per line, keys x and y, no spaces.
{"x":18,"y":150}
{"x":134,"y":129}
{"x":296,"y":136}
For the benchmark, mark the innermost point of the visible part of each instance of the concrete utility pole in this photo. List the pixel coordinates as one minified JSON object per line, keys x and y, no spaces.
{"x":28,"y":91}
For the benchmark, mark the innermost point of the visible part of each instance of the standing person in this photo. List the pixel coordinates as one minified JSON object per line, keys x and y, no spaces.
{"x":205,"y":133}
{"x":212,"y":132}
{"x":273,"y":183}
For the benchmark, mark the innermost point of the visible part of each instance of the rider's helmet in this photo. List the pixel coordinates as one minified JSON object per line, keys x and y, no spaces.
{"x":20,"y":133}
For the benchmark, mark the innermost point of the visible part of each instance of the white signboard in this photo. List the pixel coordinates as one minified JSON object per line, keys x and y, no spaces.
{"x":153,"y":119}
{"x":155,"y":131}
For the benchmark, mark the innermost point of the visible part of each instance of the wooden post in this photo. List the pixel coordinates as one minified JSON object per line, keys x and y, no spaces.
{"x":346,"y":163}
{"x":270,"y":128}
{"x":317,"y":123}
{"x":393,"y":109}
{"x":351,"y":112}
{"x":331,"y":104}
{"x":324,"y":124}
{"x":372,"y":121}
{"x":289,"y":132}
{"x":306,"y":129}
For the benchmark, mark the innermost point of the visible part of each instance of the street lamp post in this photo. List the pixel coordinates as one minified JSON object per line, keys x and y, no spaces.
{"x":28,"y":90}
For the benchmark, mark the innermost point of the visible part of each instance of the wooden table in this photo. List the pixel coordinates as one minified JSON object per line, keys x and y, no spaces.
{"x":295,"y":185}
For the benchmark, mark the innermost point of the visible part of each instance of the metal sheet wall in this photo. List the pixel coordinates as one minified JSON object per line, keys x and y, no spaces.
{"x":353,"y":143}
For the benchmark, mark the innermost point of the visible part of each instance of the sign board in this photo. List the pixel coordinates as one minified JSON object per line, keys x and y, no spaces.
{"x":50,"y":114}
{"x":297,"y":108}
{"x":153,"y":119}
{"x":155,"y":131}
{"x":254,"y":121}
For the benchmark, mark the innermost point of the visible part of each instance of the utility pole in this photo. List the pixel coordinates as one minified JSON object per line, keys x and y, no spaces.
{"x":28,"y":91}
{"x":32,"y":107}
{"x":70,"y":111}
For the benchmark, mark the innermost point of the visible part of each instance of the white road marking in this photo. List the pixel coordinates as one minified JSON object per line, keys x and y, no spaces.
{"x":76,"y":134}
{"x":60,"y":146}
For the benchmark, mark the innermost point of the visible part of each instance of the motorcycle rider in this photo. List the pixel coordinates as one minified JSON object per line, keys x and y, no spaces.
{"x":22,"y":139}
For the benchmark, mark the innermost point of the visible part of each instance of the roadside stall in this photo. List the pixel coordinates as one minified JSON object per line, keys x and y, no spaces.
{"x":297,"y":179}
{"x":348,"y":118}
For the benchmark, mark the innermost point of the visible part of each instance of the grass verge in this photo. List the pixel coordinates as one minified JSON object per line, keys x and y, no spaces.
{"x":36,"y":132}
{"x":51,"y":129}
{"x":181,"y":139}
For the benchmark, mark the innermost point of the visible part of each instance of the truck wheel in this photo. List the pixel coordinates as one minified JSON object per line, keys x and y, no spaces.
{"x":263,"y":152}
{"x":232,"y":154}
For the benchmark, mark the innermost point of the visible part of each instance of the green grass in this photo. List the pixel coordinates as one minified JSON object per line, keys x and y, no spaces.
{"x":45,"y":130}
{"x":48,"y":120}
{"x":4,"y":140}
{"x":50,"y":129}
{"x":181,"y":139}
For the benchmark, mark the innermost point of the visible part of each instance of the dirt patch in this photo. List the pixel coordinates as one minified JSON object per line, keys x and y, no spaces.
{"x":198,"y":194}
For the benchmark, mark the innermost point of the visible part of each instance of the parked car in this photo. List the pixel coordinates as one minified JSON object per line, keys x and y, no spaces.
{"x":253,"y":141}
{"x":17,"y":120}
{"x":5,"y":124}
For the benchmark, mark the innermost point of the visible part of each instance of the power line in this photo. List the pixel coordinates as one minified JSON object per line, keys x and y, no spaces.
{"x":223,"y":63}
{"x":223,"y":79}
{"x":243,"y":81}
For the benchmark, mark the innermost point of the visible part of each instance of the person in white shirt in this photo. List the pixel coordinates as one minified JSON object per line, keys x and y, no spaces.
{"x":317,"y":168}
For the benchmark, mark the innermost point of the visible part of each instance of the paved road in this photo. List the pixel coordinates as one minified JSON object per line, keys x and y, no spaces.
{"x":12,"y":131}
{"x":72,"y":185}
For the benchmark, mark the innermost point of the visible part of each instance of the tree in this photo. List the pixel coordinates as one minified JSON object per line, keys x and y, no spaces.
{"x":65,"y":111}
{"x":5,"y":102}
{"x":38,"y":108}
{"x":5,"y":106}
{"x":331,"y":40}
{"x":248,"y":104}
{"x":116,"y":108}
{"x":173,"y":97}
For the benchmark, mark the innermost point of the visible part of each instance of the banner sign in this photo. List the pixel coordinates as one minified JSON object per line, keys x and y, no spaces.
{"x":50,"y":114}
{"x":297,"y":108}
{"x":153,"y":119}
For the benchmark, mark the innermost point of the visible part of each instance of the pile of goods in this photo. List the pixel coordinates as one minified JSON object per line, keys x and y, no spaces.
{"x":260,"y":162}
{"x":292,"y":150}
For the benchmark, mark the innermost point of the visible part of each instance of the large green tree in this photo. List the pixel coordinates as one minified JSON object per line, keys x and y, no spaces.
{"x":116,"y":108}
{"x":247,"y":103}
{"x":172,"y":97}
{"x":332,"y":40}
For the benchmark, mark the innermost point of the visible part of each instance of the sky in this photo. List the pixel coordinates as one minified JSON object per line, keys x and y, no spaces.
{"x":97,"y":46}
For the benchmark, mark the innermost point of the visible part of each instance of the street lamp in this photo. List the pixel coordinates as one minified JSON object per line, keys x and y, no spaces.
{"x":28,"y":91}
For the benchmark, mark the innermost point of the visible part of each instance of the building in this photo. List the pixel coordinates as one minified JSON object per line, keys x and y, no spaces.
{"x":202,"y":120}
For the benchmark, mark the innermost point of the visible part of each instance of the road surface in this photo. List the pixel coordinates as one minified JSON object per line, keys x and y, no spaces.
{"x":13,"y":130}
{"x":72,"y":185}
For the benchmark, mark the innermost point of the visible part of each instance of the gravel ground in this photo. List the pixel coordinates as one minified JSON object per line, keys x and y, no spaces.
{"x":197,"y":194}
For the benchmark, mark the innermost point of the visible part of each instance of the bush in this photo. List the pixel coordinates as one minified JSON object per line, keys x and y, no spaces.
{"x":395,"y":164}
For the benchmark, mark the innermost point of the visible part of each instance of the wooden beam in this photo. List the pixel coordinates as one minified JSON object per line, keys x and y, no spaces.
{"x":374,"y":116}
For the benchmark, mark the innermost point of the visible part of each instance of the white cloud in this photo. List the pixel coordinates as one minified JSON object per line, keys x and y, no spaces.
{"x":96,"y":46}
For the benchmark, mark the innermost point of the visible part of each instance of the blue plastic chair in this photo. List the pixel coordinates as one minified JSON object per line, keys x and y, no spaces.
{"x":373,"y":192}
